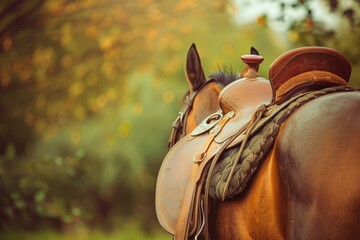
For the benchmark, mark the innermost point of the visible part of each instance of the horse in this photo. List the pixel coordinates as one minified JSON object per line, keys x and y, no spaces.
{"x":307,"y":186}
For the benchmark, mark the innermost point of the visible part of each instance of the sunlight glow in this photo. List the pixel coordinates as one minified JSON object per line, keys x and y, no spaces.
{"x":249,"y":11}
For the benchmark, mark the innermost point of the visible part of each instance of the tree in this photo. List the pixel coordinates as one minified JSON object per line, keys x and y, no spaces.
{"x":82,"y":91}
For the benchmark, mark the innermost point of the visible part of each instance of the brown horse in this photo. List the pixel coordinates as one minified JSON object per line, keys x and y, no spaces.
{"x":308,"y":185}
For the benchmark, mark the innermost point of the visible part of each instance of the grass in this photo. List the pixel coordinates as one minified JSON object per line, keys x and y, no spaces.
{"x":130,"y":232}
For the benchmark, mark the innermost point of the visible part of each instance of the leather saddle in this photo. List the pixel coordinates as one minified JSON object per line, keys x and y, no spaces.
{"x":178,"y":182}
{"x":181,"y":177}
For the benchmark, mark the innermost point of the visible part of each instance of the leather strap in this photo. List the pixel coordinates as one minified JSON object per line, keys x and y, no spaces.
{"x":185,"y":216}
{"x":179,"y":125}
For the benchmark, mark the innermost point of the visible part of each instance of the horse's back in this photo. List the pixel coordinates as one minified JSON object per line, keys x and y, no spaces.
{"x":318,"y":159}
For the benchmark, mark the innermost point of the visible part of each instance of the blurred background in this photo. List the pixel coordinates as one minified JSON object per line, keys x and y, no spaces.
{"x":89,"y":89}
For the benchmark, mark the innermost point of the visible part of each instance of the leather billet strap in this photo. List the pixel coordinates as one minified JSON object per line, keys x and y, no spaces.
{"x":179,"y":125}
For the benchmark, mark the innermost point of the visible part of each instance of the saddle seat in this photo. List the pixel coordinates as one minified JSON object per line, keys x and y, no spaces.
{"x":242,"y":97}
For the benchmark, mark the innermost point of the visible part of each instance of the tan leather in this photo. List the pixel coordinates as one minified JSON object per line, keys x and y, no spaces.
{"x":311,"y":78}
{"x":307,"y":59}
{"x":175,"y":175}
{"x":179,"y":176}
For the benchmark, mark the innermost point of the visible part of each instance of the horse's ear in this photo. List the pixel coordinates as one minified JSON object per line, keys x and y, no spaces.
{"x":253,"y":51}
{"x":194,"y":71}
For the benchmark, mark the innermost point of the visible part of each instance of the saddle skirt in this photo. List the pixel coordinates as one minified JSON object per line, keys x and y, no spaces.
{"x":239,"y":100}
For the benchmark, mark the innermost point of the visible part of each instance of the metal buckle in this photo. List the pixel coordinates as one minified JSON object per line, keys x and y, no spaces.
{"x":181,"y":116}
{"x":207,"y":124}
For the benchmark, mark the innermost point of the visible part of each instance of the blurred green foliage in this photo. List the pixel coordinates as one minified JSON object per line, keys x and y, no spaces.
{"x":88,"y":91}
{"x":130,"y":231}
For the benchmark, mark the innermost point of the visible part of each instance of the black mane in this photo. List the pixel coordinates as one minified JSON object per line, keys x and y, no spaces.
{"x":225,"y":75}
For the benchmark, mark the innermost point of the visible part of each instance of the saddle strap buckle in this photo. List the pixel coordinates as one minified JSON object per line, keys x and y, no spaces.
{"x":200,"y":157}
{"x":207,"y":124}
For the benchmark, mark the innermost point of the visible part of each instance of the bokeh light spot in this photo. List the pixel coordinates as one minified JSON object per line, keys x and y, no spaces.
{"x":138,"y":108}
{"x":293,"y":36}
{"x":111,"y":94}
{"x":79,"y":112}
{"x":40,"y":126}
{"x":29,"y":119}
{"x":125,"y":128}
{"x":5,"y":79}
{"x":168,"y":96}
{"x":101,"y":101}
{"x":75,"y":137}
{"x":76,"y":89}
{"x":7,"y":43}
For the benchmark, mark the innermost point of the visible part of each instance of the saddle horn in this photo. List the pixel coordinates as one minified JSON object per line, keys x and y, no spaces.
{"x":252,"y":60}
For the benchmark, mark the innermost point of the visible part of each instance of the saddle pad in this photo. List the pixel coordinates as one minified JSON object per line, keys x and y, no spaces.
{"x":259,"y":145}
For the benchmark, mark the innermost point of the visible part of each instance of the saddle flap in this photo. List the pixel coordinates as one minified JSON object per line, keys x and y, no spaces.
{"x":243,"y":97}
{"x":308,"y":65}
{"x":174,"y":179}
